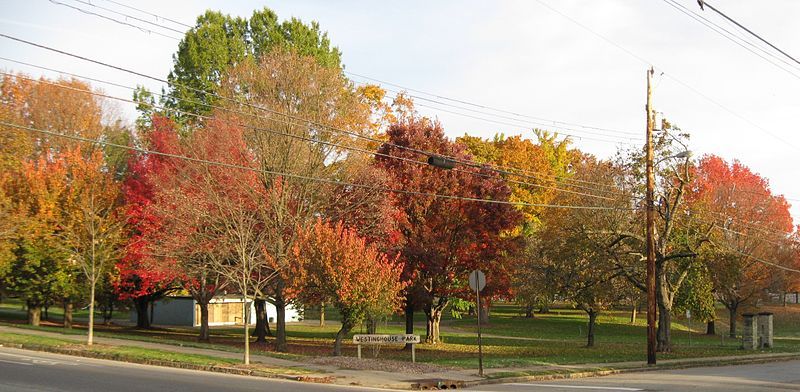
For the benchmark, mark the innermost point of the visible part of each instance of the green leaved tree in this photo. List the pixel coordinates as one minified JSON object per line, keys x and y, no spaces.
{"x":218,"y":42}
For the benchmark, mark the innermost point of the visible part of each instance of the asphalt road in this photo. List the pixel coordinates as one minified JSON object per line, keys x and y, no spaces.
{"x":775,"y":376}
{"x":23,"y":371}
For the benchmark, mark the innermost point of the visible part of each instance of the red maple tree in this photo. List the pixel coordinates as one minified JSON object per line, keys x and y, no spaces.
{"x":143,"y":277}
{"x":444,"y":239}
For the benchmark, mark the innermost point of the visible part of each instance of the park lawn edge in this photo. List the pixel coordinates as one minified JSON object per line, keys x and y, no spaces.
{"x":122,"y":335}
{"x":119,"y":354}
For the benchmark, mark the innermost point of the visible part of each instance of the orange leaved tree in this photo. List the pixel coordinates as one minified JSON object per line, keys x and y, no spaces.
{"x":750,"y":224}
{"x":93,"y":223}
{"x":333,"y":263}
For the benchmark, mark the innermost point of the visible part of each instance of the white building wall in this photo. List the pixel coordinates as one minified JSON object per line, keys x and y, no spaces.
{"x":181,"y":311}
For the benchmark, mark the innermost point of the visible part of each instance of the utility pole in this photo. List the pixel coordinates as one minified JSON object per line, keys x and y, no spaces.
{"x":651,"y":248}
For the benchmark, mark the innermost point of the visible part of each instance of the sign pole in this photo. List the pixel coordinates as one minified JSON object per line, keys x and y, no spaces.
{"x":477,"y":281}
{"x":480,"y":343}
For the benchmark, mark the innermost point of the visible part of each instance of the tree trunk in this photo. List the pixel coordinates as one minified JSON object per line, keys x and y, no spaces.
{"x":372,"y":325}
{"x":343,"y":331}
{"x":261,"y":321}
{"x":280,"y":323}
{"x":711,"y":327}
{"x":152,"y":311}
{"x":46,"y":312}
{"x":205,"y":335}
{"x":433,"y":315}
{"x":592,"y":323}
{"x":67,"y":314}
{"x":545,"y":308}
{"x":322,"y":314}
{"x":732,"y":313}
{"x":529,"y":311}
{"x":784,"y":298}
{"x":663,"y":334}
{"x":409,"y":313}
{"x":108,"y":314}
{"x":245,"y":321}
{"x":34,"y":314}
{"x":633,"y":314}
{"x":142,"y":318}
{"x":90,"y":335}
{"x":484,"y":313}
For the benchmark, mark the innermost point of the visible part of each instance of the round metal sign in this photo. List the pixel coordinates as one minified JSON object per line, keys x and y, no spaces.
{"x":477,"y":280}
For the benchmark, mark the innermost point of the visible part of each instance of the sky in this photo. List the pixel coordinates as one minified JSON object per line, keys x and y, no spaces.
{"x":580,"y":62}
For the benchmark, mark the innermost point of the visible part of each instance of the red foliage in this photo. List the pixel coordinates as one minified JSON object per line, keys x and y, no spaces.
{"x":335,"y":264}
{"x":446,"y":238}
{"x":732,"y":191}
{"x":141,"y":273}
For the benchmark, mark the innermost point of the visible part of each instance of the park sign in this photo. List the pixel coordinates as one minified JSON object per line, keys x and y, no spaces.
{"x":385,"y":339}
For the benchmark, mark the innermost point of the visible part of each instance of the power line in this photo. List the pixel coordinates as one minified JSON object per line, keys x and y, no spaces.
{"x":732,"y":37}
{"x":706,"y":4}
{"x":466,"y":163}
{"x":285,"y":134}
{"x":497,"y":168}
{"x":516,"y":125}
{"x":129,"y":16}
{"x":563,"y":15}
{"x":522,"y":122}
{"x":751,"y":224}
{"x":776,"y":265}
{"x":295,"y":176}
{"x":443,"y":110}
{"x":360,"y":150}
{"x":543,"y":121}
{"x":289,"y":123}
{"x":149,"y":13}
{"x":675,"y":79}
{"x":87,"y":12}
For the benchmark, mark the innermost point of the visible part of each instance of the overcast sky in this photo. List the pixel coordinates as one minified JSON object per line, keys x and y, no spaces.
{"x":526,"y":57}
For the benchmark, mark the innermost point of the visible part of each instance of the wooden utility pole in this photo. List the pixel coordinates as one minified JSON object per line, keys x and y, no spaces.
{"x":651,"y":246}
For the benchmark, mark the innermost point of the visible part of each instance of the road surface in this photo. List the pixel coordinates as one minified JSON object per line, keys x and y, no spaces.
{"x":23,"y":371}
{"x":774,"y":376}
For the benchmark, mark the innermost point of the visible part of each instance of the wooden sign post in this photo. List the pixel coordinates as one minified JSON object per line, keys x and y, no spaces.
{"x":385,"y":339}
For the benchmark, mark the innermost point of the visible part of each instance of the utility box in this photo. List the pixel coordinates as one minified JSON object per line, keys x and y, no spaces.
{"x":765,"y":330}
{"x":750,"y":332}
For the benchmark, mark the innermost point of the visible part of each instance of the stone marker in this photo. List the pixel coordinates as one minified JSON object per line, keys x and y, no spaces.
{"x":749,"y":332}
{"x":765,"y":330}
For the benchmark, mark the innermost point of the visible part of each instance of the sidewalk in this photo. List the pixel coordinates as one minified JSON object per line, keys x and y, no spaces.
{"x":400,"y":380}
{"x":372,"y":378}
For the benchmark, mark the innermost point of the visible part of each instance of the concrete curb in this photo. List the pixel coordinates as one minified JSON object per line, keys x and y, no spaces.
{"x":179,"y":365}
{"x":608,"y":372}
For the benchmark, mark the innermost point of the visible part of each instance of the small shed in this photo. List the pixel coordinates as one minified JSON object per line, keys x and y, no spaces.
{"x":222,"y":310}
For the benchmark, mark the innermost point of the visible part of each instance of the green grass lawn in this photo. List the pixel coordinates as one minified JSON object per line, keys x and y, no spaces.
{"x":138,"y":354}
{"x":122,"y":352}
{"x":14,"y":309}
{"x":556,"y":338}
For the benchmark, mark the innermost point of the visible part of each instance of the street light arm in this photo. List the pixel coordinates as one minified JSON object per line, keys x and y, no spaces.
{"x":683,"y":154}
